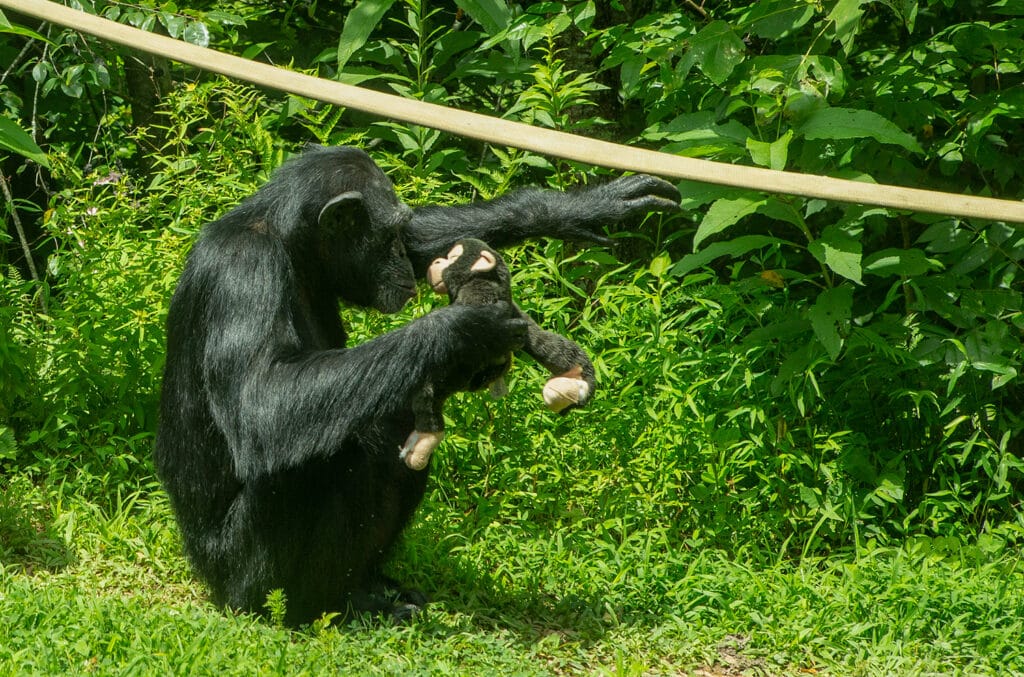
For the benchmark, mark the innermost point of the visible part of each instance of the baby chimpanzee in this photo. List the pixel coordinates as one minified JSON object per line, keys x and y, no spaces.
{"x":475,"y":274}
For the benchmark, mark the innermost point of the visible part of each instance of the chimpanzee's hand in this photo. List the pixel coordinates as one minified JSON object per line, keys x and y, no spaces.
{"x":611,"y":202}
{"x":484,"y":333}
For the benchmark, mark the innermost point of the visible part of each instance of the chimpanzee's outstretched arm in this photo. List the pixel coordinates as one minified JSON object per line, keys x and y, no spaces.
{"x":528,"y":213}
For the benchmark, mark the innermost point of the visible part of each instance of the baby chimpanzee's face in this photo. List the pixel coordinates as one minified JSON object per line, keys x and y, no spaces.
{"x":467,"y":260}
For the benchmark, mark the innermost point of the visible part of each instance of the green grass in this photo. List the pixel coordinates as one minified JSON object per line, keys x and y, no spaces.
{"x":91,"y":589}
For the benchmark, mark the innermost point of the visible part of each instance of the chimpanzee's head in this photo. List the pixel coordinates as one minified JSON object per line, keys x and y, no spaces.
{"x":360,"y":237}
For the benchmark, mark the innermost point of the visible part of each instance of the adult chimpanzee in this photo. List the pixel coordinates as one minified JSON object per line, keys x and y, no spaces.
{"x":277,"y":443}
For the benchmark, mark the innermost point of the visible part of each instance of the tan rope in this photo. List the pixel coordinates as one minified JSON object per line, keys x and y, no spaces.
{"x":519,"y":135}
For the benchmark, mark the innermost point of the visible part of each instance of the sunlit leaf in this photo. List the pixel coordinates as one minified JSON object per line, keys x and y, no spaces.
{"x":846,"y":16}
{"x":839,"y":251}
{"x":197,"y":33}
{"x":359,"y":24}
{"x":716,"y":51}
{"x":906,"y":262}
{"x":735,"y":247}
{"x":851,"y":123}
{"x":771,"y":154}
{"x":7,"y":27}
{"x":724,"y":213}
{"x":17,"y":140}
{"x":772,"y":19}
{"x":493,"y":15}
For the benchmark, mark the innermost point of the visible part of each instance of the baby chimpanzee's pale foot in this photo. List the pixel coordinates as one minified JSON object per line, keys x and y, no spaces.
{"x":418,"y":447}
{"x":566,"y":391}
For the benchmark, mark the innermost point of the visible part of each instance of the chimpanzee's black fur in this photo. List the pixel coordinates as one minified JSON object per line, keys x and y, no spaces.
{"x":277,"y":442}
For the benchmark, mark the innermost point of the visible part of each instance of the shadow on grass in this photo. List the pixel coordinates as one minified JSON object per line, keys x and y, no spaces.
{"x":474,"y":599}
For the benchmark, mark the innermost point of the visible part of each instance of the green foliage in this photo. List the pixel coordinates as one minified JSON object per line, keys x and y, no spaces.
{"x":855,"y":322}
{"x":867,"y":381}
{"x":277,"y":606}
{"x":81,"y":383}
{"x":808,"y":413}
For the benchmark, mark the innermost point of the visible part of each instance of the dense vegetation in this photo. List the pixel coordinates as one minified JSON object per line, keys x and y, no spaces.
{"x":807,"y":452}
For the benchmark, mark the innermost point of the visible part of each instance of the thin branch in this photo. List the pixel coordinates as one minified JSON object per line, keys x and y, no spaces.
{"x":699,"y":9}
{"x":17,"y":60}
{"x":25,"y":249}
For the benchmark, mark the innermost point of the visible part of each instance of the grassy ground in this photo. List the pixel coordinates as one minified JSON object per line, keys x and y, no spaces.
{"x":103,"y":589}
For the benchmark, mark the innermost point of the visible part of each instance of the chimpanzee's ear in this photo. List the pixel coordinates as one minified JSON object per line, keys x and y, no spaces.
{"x":342,"y":210}
{"x":485,"y":263}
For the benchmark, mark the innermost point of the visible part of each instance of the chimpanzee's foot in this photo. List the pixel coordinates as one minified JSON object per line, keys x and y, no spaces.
{"x":399,"y":593}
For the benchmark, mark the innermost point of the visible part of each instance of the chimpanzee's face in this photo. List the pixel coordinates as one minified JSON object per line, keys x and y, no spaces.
{"x":362,"y":245}
{"x":389,"y":270}
{"x":468,"y":259}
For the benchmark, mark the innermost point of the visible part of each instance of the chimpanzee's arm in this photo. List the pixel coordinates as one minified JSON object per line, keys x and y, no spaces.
{"x":528,"y":213}
{"x":281,"y":403}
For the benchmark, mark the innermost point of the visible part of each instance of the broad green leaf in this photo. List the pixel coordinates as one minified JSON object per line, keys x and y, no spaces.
{"x":890,"y":488}
{"x":174,"y":23}
{"x":831,"y":309}
{"x":17,"y":140}
{"x":846,"y":15}
{"x":493,"y":15}
{"x":734,"y":248}
{"x":839,"y":251}
{"x":975,"y":257}
{"x":660,"y":264}
{"x":584,"y":14}
{"x":946,"y":236}
{"x":1006,"y":375}
{"x":224,"y":18}
{"x":906,"y":10}
{"x":782,"y":209}
{"x":852,"y":123}
{"x":724,"y":213}
{"x":695,"y":134}
{"x":359,"y":23}
{"x":772,"y":19}
{"x":696,"y":194}
{"x":197,"y":33}
{"x":772,"y":155}
{"x":810,"y":497}
{"x":716,"y":51}
{"x":905,"y":262}
{"x":254,"y":50}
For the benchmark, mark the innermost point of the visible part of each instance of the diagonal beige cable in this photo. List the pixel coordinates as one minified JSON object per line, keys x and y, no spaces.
{"x":519,"y":135}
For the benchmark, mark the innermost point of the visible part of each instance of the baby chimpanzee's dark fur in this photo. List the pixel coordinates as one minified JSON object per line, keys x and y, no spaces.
{"x":474,"y":274}
{"x":276,"y":440}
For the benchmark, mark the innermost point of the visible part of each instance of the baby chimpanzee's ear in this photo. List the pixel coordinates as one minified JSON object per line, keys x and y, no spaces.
{"x":485,"y":262}
{"x":342,"y":211}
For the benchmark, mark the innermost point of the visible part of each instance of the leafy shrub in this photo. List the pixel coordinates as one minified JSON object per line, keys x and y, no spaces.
{"x":85,"y":378}
{"x":784,"y":374}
